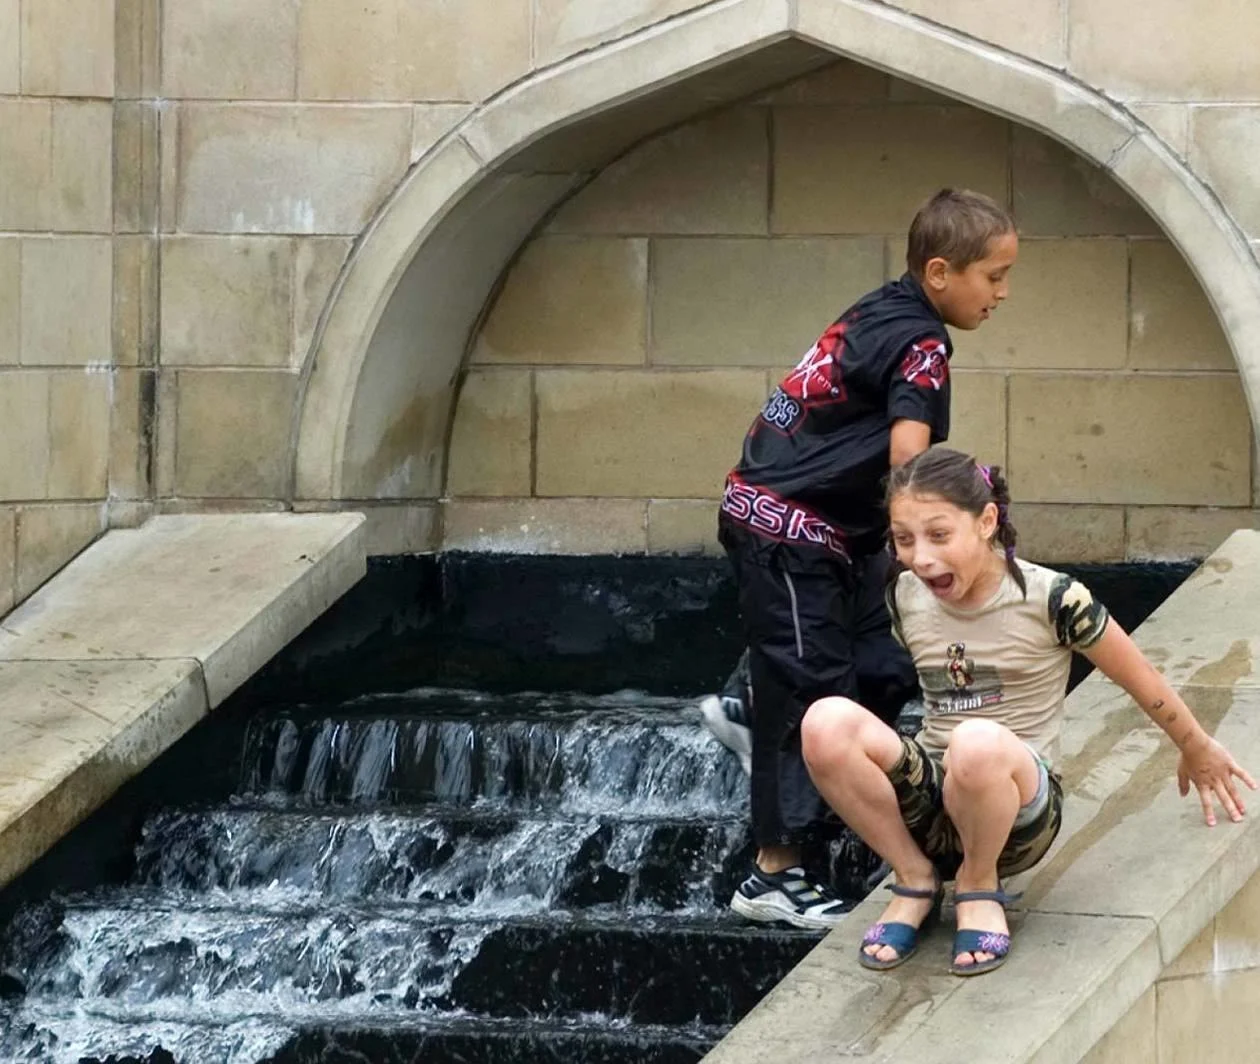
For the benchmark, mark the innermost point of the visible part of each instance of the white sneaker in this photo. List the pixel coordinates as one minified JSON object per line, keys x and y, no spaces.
{"x":790,"y":897}
{"x":722,"y":717}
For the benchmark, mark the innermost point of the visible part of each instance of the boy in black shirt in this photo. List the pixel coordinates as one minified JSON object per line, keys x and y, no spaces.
{"x":803,"y":524}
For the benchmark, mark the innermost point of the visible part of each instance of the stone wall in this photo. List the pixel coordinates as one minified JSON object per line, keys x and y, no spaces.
{"x":193,"y":198}
{"x":638,"y":333}
{"x":1204,"y":997}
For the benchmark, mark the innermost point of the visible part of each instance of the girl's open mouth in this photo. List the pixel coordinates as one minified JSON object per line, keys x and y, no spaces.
{"x":941,"y":584}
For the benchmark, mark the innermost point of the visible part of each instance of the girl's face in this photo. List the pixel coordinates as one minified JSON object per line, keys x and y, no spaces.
{"x":947,"y":547}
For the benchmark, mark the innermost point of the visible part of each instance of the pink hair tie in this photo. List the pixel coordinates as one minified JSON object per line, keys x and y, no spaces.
{"x":985,"y":474}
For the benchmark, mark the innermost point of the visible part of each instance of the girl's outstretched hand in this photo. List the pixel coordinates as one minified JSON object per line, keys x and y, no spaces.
{"x":1211,"y":768}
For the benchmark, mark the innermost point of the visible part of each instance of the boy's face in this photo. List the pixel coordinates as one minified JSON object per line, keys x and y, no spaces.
{"x":967,"y":297}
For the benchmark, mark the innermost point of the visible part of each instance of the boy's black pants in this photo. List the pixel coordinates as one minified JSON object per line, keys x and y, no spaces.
{"x":812,"y":633}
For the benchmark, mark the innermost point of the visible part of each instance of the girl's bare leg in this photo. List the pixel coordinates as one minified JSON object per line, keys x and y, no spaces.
{"x":849,"y":752}
{"x":989,"y":774}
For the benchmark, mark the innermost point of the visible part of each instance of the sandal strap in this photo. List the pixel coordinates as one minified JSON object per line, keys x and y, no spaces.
{"x":970,"y":941}
{"x":914,"y":892}
{"x":999,"y":896}
{"x":901,"y":937}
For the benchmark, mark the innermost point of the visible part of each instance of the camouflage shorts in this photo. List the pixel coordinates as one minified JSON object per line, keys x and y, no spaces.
{"x":918,"y":778}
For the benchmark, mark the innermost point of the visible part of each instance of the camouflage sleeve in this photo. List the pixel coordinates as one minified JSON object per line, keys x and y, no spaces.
{"x":1078,"y":620}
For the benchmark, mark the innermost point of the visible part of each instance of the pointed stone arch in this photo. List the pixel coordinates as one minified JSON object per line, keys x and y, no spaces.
{"x":374,"y":416}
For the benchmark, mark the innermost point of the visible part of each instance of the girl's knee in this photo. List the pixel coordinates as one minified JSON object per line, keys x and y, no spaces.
{"x":832,"y":728}
{"x":978,"y":751}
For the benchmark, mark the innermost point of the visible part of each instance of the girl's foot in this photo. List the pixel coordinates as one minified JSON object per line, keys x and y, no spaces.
{"x":983,"y":916}
{"x":911,"y":911}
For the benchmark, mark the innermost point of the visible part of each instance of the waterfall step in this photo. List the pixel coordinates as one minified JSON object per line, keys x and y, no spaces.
{"x":484,"y":857}
{"x":574,"y":754}
{"x":103,"y":1038}
{"x":205,"y":960}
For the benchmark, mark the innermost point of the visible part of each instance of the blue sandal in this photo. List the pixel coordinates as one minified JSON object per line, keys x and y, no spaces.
{"x":904,"y":938}
{"x":968,"y":940}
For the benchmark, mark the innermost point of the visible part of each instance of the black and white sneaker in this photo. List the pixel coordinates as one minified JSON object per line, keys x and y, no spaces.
{"x":791,"y":897}
{"x":728,"y":715}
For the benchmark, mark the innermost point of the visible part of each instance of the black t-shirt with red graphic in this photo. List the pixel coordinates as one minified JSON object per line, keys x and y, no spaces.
{"x":811,"y":475}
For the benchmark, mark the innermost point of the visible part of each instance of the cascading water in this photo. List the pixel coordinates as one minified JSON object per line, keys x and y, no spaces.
{"x":438,"y":876}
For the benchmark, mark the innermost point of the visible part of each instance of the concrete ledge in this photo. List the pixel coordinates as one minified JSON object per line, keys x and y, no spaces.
{"x":136,"y":640}
{"x":1134,"y":877}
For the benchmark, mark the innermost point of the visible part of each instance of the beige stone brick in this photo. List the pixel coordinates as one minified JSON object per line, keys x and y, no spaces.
{"x":709,"y":176}
{"x":135,"y":300}
{"x":873,"y":178}
{"x":317,"y":262}
{"x":1068,"y":309}
{"x":1224,"y":143}
{"x":545,"y":526}
{"x":1171,"y":121}
{"x":430,"y":122}
{"x":1066,"y":533}
{"x":1126,"y":438}
{"x":1173,"y":326}
{"x":137,"y":48}
{"x":8,"y":558}
{"x":570,"y":300}
{"x":233,"y":433}
{"x":24,"y":434}
{"x":490,"y":440}
{"x":67,"y":48}
{"x":1132,"y":1039}
{"x":1060,"y":193}
{"x":407,"y":529}
{"x":226,"y":301}
{"x":132,"y":427}
{"x":1170,"y":533}
{"x":78,"y":434}
{"x":55,"y":171}
{"x":1196,"y":958}
{"x":136,"y":155}
{"x":10,"y":299}
{"x":842,"y":82}
{"x":627,"y":433}
{"x":168,"y":166}
{"x":285,"y":169}
{"x":411,"y":49}
{"x":563,"y":27}
{"x":977,"y":416}
{"x":683,"y":526}
{"x":1237,"y":945}
{"x":50,"y":536}
{"x":1217,"y":1010}
{"x":67,"y":301}
{"x":1166,"y":50}
{"x":749,"y":302}
{"x":1033,"y":29}
{"x":10,"y":56}
{"x":231,"y":49}
{"x":166,"y":431}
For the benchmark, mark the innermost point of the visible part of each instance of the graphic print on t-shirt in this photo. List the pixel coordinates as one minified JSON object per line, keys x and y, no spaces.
{"x":960,"y":685}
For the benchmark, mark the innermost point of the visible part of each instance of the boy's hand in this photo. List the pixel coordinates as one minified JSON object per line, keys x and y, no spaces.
{"x":1212,"y":769}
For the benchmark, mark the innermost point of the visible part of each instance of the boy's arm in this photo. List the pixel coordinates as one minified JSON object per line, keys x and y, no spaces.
{"x":908,"y":439}
{"x":1203,"y":759}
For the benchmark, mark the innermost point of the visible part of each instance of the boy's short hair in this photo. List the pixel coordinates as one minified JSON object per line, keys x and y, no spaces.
{"x":955,"y":225}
